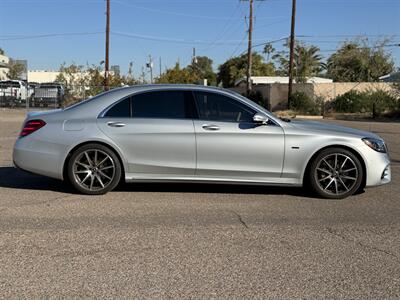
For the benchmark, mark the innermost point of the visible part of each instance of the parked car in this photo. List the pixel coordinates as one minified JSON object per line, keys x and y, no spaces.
{"x":185,"y":133}
{"x":48,"y":94}
{"x":14,"y":92}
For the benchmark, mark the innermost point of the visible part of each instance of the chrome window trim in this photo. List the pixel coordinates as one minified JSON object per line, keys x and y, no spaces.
{"x":191,"y":89}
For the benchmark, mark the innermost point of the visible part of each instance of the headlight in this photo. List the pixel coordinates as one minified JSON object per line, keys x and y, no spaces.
{"x":377,"y":145}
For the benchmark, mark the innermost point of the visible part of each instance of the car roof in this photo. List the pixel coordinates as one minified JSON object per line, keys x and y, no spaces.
{"x":171,"y":86}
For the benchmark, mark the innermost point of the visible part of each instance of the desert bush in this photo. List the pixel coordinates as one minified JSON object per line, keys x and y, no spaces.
{"x":349,"y":102}
{"x":258,"y":98}
{"x":380,"y":101}
{"x":302,"y":103}
{"x":373,"y":101}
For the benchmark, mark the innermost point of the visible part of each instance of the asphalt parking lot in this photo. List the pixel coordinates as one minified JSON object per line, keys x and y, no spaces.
{"x":196,"y":241}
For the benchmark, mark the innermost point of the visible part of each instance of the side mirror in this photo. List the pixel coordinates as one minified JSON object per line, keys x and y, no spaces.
{"x":260,"y":119}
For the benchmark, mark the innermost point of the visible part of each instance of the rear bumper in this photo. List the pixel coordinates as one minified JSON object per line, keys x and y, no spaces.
{"x":38,"y":157}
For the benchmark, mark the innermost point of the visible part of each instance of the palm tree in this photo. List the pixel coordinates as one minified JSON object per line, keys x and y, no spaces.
{"x":307,"y":62}
{"x":268,"y":49}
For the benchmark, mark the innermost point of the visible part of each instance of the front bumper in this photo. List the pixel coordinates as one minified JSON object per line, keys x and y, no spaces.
{"x":377,"y":165}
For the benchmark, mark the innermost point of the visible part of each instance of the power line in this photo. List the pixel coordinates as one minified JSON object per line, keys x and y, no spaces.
{"x":39,"y":36}
{"x":156,"y":10}
{"x":171,"y":40}
{"x":238,"y":46}
{"x":225,"y":28}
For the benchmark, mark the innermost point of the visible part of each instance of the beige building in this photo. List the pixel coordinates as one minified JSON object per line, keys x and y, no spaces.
{"x":4,"y":61}
{"x":42,"y":76}
{"x":46,"y":76}
{"x":257,"y":80}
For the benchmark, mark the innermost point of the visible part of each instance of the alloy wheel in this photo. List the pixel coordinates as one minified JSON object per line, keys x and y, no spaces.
{"x":336,"y":174}
{"x":93,"y":170}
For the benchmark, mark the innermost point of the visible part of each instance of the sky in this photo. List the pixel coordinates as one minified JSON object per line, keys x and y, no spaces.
{"x":50,"y":32}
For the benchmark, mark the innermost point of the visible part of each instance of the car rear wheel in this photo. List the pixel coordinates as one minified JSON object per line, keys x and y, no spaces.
{"x":94,"y":169}
{"x":336,"y":173}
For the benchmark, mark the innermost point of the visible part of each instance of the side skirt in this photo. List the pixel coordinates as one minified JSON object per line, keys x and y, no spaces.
{"x":136,"y":177}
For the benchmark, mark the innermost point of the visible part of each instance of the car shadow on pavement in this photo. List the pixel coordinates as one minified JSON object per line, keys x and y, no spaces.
{"x":213,"y":189}
{"x":17,"y":179}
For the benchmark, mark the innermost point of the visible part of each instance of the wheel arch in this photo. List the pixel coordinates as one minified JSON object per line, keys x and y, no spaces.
{"x":352,"y":150}
{"x":72,"y":150}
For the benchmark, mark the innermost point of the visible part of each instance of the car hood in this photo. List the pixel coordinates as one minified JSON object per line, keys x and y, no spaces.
{"x":331,"y":129}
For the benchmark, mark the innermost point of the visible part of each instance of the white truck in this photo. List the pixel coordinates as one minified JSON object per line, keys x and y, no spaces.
{"x":14,"y":92}
{"x":48,"y":94}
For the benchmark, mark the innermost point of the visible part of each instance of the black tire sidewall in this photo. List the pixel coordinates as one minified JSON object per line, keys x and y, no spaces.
{"x":118,"y":169}
{"x":312,"y":180}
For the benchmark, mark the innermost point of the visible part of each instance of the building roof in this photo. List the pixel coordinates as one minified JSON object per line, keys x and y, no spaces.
{"x":280,"y":79}
{"x":393,"y":77}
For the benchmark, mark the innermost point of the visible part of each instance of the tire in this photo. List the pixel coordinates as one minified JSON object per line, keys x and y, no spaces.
{"x":94,"y":169}
{"x":335,"y":173}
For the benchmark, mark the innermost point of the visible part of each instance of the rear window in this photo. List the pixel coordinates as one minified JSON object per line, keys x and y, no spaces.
{"x":120,"y":110}
{"x":162,"y":105}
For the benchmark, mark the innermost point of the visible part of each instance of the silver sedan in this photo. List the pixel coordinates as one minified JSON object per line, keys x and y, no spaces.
{"x":185,"y":133}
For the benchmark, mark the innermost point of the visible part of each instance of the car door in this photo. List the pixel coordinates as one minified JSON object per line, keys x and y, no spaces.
{"x":230,"y":144}
{"x":156,"y":136}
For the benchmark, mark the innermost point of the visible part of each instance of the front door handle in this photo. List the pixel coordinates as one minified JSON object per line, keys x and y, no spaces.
{"x":210,"y":127}
{"x":115,"y":124}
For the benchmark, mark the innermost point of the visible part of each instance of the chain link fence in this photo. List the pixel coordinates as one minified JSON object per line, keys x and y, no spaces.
{"x":50,"y":95}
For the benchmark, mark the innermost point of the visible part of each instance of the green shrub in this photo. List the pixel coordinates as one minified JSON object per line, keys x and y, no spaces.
{"x":360,"y":102}
{"x":302,"y":103}
{"x":383,"y":101}
{"x":349,"y":102}
{"x":258,"y":98}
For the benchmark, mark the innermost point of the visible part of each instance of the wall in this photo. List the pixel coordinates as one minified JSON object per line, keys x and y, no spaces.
{"x":276,"y":93}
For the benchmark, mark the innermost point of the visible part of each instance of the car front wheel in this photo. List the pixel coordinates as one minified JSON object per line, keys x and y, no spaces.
{"x":94,"y":169}
{"x":336,"y":173}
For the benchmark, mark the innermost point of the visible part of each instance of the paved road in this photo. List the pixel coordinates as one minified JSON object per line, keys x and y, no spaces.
{"x":196,"y":241}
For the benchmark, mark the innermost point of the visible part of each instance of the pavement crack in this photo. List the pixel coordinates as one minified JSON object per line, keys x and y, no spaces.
{"x":362,"y":245}
{"x":240,"y":219}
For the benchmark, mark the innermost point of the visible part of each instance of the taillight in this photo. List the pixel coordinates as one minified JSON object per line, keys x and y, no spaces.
{"x":31,"y":126}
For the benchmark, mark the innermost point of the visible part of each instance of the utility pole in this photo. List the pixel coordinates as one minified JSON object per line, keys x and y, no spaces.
{"x":249,"y":55}
{"x":249,"y":47}
{"x":160,"y":66}
{"x":107,"y":63}
{"x":150,"y":66}
{"x":194,"y":59}
{"x":143,"y":75}
{"x":291,"y":58}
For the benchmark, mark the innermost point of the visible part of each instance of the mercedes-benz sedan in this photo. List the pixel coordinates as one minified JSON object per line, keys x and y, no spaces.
{"x":185,"y":133}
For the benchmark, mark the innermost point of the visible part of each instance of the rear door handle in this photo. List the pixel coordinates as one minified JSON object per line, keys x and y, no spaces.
{"x":210,"y":127}
{"x":115,"y":124}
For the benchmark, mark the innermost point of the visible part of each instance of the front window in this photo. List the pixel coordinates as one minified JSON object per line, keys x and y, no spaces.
{"x":216,"y":107}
